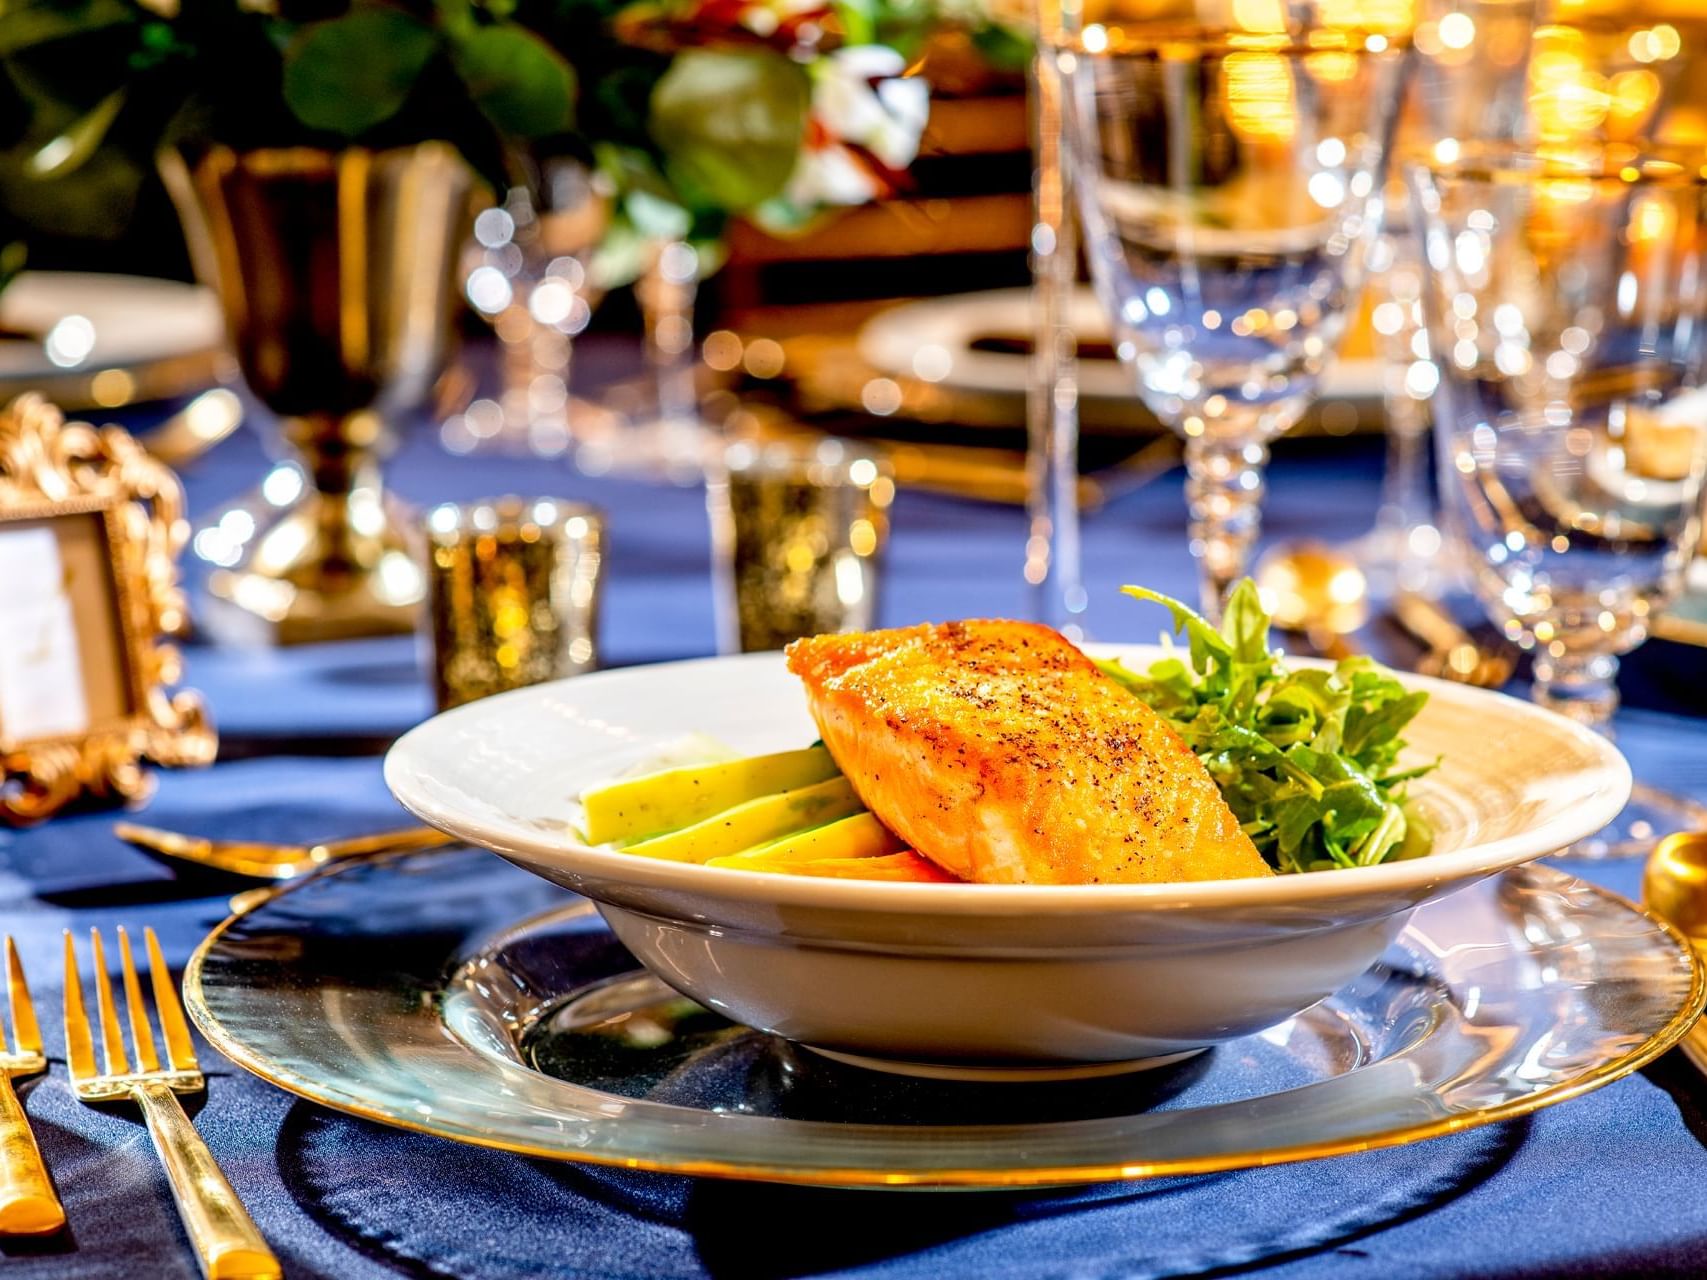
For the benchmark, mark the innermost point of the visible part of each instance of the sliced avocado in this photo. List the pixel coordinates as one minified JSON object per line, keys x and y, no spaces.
{"x":637,"y":808}
{"x":755,"y":822}
{"x":861,"y":836}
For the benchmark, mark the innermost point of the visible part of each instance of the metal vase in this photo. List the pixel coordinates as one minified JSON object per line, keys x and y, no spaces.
{"x":337,"y":275}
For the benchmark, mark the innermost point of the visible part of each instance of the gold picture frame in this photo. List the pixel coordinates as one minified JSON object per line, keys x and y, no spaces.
{"x":91,"y":527}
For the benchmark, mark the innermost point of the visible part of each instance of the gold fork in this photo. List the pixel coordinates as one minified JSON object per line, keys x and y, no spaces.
{"x":228,"y":1245}
{"x":28,"y":1205}
{"x":259,"y":860}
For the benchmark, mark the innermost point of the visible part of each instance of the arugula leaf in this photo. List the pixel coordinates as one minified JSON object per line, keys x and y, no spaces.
{"x":1206,"y":641}
{"x":1305,"y":758}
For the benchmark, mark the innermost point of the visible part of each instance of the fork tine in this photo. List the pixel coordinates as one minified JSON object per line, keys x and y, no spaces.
{"x":141,"y":1037}
{"x":112,"y":1039}
{"x":79,"y":1048}
{"x":25,"y":1030}
{"x":180,"y":1049}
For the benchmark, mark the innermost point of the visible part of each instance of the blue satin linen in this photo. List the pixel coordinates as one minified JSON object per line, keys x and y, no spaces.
{"x":1608,"y":1184}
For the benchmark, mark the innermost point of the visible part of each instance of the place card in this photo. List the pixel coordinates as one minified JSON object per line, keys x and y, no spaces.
{"x":90,"y":529}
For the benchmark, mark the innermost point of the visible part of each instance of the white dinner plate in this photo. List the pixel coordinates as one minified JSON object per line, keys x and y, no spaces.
{"x":974,"y":979}
{"x":947,"y":330}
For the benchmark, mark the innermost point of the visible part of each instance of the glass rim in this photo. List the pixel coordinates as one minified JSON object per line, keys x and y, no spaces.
{"x":450,"y":523}
{"x":1638,"y":163}
{"x":1177,"y":41}
{"x":820,"y":458}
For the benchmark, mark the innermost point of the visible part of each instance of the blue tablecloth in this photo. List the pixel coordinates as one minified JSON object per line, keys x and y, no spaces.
{"x":1612,"y":1183}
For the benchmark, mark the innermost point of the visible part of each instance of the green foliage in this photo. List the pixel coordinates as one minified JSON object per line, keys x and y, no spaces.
{"x":707,"y":117}
{"x":521,"y":83}
{"x":1307,"y":758}
{"x":355,"y":72}
{"x":1003,"y":48}
{"x":321,"y":73}
{"x":730,"y":124}
{"x":72,"y":148}
{"x":11,"y":262}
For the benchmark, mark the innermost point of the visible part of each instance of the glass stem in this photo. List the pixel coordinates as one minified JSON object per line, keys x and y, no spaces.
{"x":516,"y":332}
{"x":1052,"y":564}
{"x":1406,"y":499}
{"x":535,"y":394}
{"x":1583,"y":686}
{"x":667,"y":299}
{"x":1223,"y":488}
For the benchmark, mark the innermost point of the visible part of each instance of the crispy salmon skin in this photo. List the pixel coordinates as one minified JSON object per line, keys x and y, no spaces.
{"x":1002,"y":753}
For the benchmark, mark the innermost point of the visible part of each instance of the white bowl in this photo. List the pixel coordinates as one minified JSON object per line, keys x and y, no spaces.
{"x":968,"y":979}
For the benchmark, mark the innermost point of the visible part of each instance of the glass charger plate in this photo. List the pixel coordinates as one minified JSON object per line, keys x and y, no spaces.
{"x":403,"y":990}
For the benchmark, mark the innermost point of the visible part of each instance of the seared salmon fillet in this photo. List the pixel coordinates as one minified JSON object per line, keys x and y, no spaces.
{"x":1000,"y":752}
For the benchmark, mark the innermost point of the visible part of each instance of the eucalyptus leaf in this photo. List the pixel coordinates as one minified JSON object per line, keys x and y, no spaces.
{"x":12,"y":258}
{"x":355,"y":72}
{"x":858,"y":19}
{"x":67,"y":151}
{"x":521,"y":83}
{"x":1004,"y":48}
{"x":23,"y":25}
{"x":655,"y":217}
{"x":730,"y":124}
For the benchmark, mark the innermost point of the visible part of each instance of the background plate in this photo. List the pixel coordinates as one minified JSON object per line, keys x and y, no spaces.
{"x":163,"y":336}
{"x":973,"y":343}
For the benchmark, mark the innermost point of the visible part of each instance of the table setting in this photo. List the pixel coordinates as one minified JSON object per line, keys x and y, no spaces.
{"x":581,"y":704}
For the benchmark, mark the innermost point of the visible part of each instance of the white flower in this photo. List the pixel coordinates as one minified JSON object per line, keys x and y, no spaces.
{"x":832,"y":175}
{"x":861,"y":102}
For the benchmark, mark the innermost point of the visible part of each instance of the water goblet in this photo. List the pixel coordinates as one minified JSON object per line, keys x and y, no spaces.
{"x":1564,"y":290}
{"x":1469,"y":80}
{"x":530,"y":270}
{"x":1230,"y":184}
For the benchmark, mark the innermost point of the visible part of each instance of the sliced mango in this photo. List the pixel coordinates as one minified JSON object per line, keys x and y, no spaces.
{"x":905,"y":865}
{"x":667,"y":801}
{"x":756,"y":822}
{"x":861,"y":836}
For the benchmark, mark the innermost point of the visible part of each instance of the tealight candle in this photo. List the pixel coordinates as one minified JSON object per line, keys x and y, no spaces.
{"x":514,"y":590}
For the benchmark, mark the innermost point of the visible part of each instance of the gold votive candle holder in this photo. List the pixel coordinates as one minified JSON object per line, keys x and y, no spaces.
{"x":798,"y":531}
{"x":513,"y":586}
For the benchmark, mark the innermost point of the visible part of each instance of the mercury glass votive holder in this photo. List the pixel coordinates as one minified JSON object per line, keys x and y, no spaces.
{"x":514,"y":594}
{"x":798,"y":529}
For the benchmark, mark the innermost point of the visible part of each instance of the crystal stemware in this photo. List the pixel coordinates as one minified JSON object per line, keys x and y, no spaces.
{"x":1230,"y":184}
{"x":1564,"y":291}
{"x":1468,"y":81}
{"x":530,"y":270}
{"x":1052,"y":560}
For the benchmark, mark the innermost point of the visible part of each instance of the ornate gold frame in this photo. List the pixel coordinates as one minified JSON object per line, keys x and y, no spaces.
{"x":51,"y":468}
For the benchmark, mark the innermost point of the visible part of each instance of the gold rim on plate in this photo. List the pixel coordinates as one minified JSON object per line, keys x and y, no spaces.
{"x":1550,"y":881}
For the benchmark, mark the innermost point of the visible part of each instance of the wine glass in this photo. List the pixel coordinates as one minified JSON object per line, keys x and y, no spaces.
{"x":1469,"y":76}
{"x":1230,"y":184}
{"x":1564,"y":290}
{"x":529,"y":270}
